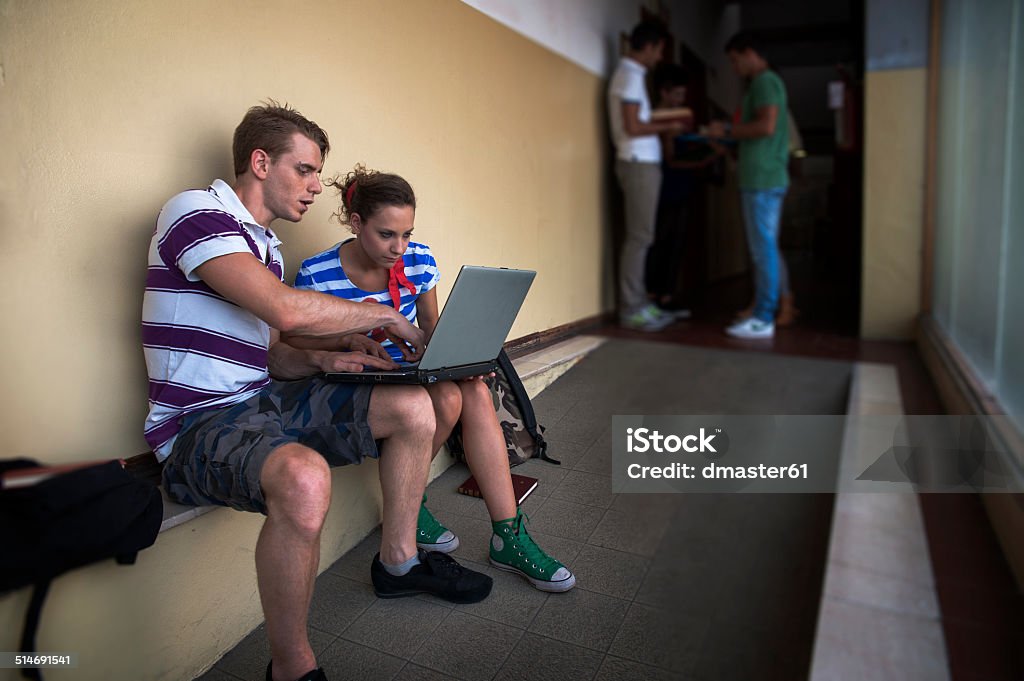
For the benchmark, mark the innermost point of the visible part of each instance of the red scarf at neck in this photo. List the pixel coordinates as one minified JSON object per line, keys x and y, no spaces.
{"x":396,"y":280}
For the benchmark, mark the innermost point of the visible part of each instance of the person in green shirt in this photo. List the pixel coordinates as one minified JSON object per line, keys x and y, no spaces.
{"x":763,"y":136}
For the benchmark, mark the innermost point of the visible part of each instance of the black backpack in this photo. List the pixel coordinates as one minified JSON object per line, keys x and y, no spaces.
{"x":524,"y":437}
{"x":69,"y":520}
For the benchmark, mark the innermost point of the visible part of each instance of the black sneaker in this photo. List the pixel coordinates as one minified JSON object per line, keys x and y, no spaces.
{"x":437,"y":574}
{"x":312,"y":675}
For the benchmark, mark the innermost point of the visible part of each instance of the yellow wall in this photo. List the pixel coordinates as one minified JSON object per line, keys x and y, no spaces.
{"x":109,"y":108}
{"x":894,"y":177}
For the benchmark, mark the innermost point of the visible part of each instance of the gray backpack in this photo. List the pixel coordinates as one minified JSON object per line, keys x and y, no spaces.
{"x":524,"y":437}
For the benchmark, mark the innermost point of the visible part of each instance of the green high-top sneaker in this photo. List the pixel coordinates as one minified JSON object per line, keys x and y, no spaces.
{"x":432,"y":535}
{"x":513,"y":550}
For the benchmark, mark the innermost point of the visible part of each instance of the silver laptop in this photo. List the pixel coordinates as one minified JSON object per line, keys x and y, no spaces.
{"x":469,"y":334}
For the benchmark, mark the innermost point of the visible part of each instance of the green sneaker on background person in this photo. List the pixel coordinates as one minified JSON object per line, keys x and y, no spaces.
{"x":649,"y":318}
{"x":513,"y":550}
{"x":432,"y":535}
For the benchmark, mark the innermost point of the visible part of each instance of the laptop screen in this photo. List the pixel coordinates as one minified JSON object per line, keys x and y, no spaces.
{"x":477,"y":316}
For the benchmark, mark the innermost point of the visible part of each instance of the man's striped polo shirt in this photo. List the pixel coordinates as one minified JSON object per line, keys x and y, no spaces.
{"x":202,"y":351}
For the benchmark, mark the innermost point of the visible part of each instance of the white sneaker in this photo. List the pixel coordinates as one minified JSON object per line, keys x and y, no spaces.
{"x":751,"y":327}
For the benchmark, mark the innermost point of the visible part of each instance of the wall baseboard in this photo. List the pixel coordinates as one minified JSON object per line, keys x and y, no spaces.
{"x":518,"y":347}
{"x":962,"y":392}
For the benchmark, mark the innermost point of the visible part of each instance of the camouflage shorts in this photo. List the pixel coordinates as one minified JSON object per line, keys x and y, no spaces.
{"x":219,"y":454}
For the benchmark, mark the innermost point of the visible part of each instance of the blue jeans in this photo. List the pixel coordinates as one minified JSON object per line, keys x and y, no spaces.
{"x":762,"y":213}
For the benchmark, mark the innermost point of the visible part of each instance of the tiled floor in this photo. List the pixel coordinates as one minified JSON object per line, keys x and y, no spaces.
{"x":982,"y":608}
{"x":642,"y":559}
{"x":704,"y":586}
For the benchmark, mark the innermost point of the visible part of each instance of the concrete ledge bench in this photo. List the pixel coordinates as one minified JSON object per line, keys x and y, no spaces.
{"x":538,"y":367}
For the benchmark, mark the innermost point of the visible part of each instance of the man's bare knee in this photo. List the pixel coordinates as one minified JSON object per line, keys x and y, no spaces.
{"x":447,"y":400}
{"x":416,"y":414}
{"x":401,"y":410}
{"x":296,"y":484}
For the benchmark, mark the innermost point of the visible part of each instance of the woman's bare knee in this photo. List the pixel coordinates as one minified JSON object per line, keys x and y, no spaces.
{"x":477,"y":392}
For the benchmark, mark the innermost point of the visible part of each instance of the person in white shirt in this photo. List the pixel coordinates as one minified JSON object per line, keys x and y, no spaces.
{"x":638,"y":168}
